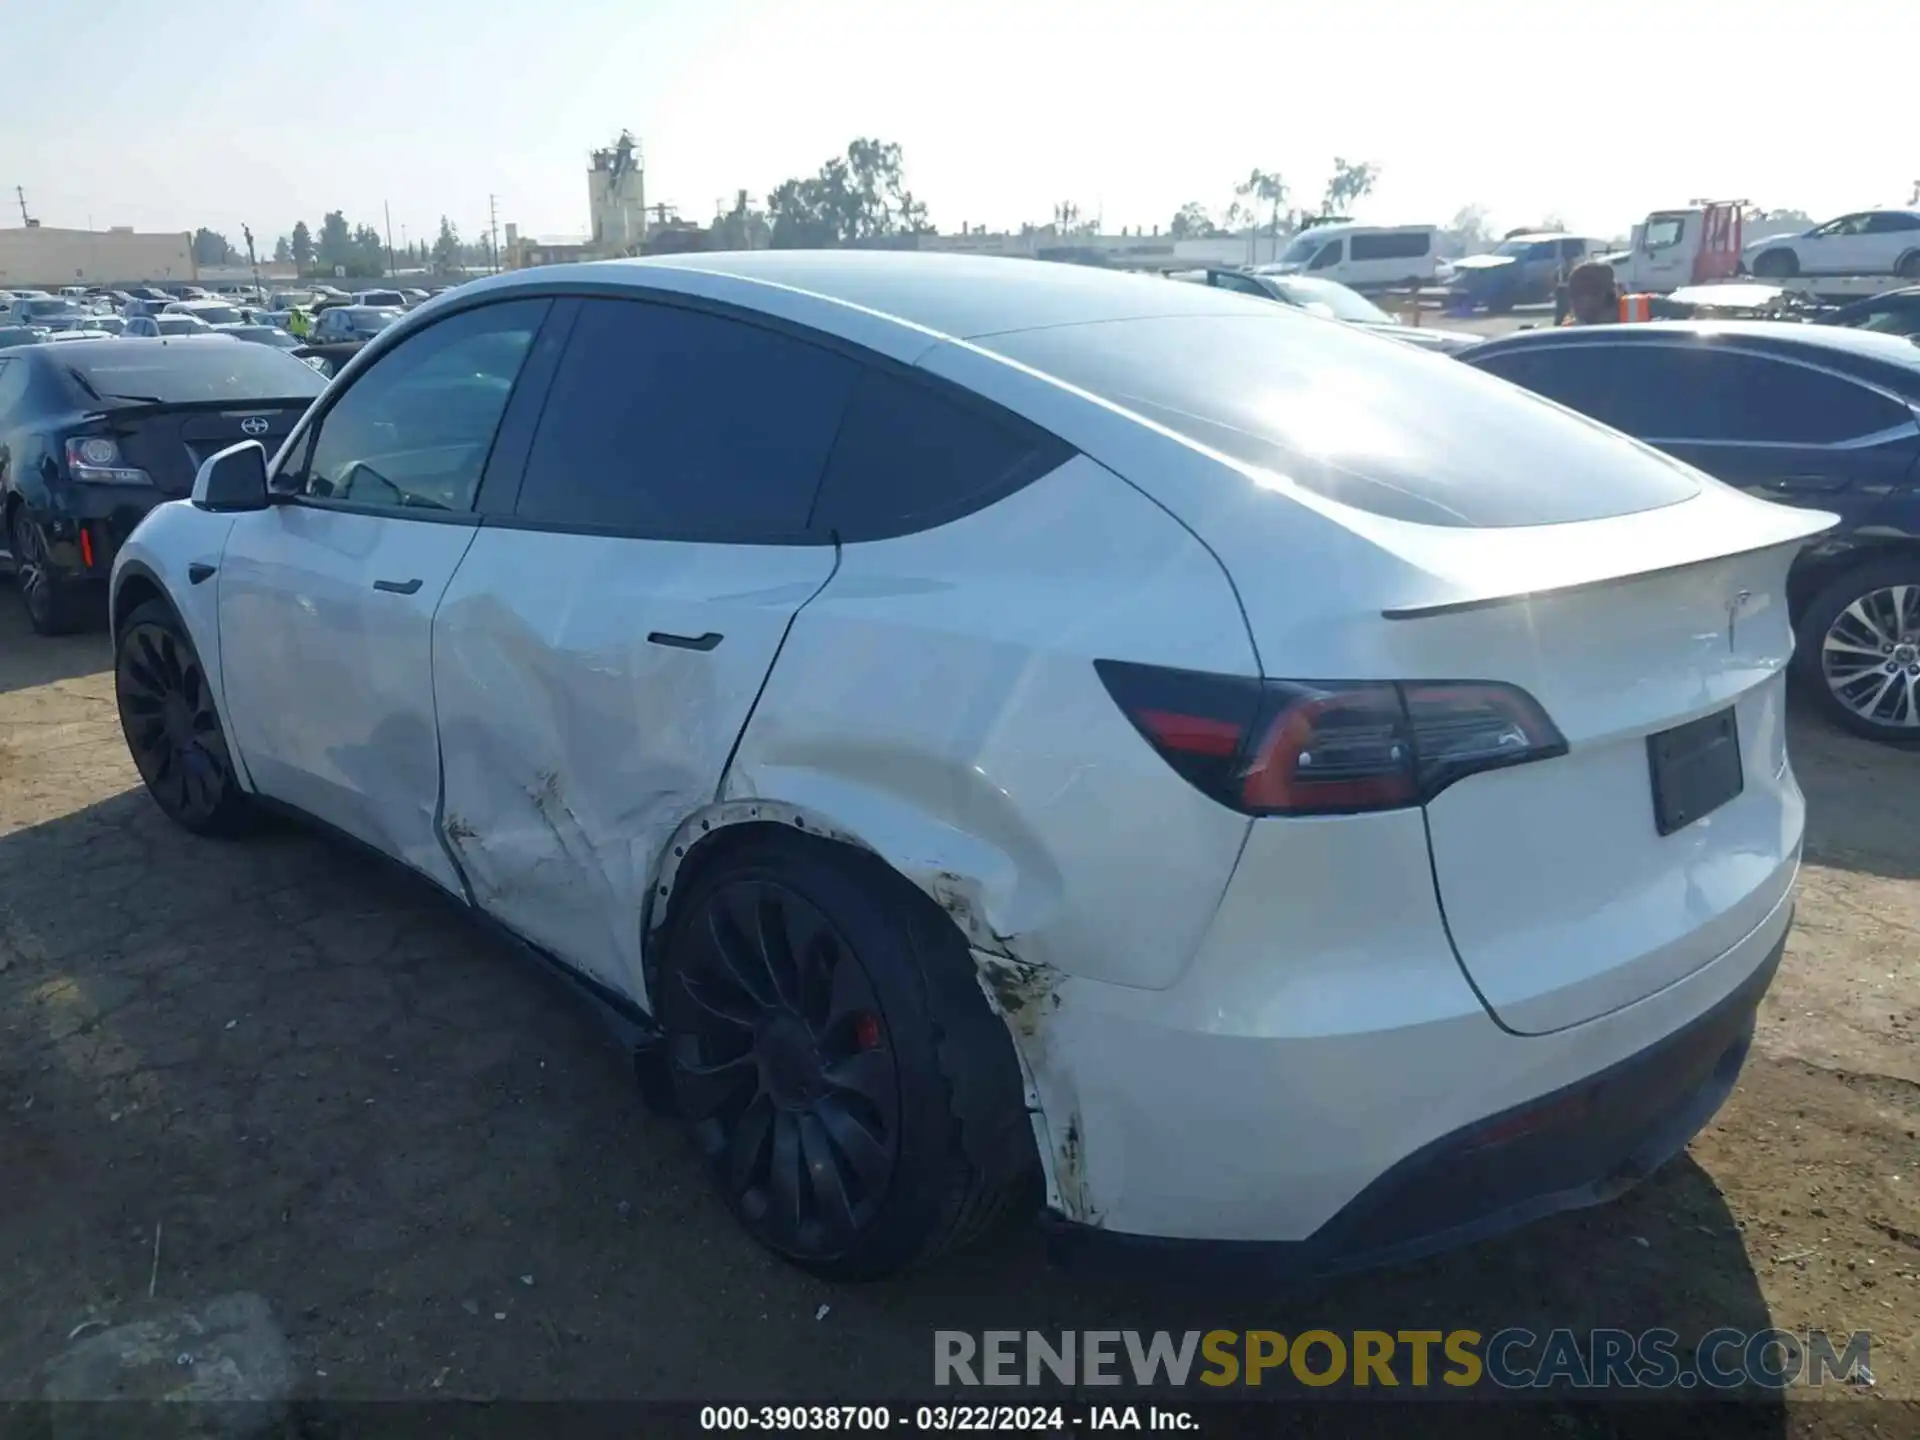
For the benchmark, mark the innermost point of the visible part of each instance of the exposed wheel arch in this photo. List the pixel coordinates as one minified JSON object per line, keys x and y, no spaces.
{"x":1776,"y":263}
{"x":1907,"y":267}
{"x":137,"y":586}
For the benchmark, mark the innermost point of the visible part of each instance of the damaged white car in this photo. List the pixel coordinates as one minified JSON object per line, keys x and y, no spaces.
{"x":1004,"y":730}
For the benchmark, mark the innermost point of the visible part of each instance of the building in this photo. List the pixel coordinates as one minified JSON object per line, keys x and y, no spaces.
{"x":39,"y":256}
{"x":617,"y":197}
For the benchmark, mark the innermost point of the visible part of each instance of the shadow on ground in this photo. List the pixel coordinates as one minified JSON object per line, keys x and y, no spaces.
{"x":317,"y":1081}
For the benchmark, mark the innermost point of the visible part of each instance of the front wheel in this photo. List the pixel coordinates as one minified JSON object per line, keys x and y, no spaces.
{"x":857,"y":1105}
{"x":1908,"y":267}
{"x":172,"y":729}
{"x":1776,"y":264}
{"x":1859,"y":649}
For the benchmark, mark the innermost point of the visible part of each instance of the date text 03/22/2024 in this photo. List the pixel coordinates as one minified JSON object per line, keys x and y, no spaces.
{"x":992,"y":1419}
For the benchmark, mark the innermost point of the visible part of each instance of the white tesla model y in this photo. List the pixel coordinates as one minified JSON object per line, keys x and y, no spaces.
{"x":1003,"y":730}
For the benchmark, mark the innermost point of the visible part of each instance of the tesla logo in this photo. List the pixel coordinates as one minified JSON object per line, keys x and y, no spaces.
{"x":253,"y":425}
{"x":1734,"y":606}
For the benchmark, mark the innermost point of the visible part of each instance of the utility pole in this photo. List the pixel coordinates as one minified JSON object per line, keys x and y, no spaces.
{"x":493,"y":230}
{"x":387,"y":210}
{"x":253,"y":262}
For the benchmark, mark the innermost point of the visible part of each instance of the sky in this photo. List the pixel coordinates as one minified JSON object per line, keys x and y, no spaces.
{"x":207,"y":112}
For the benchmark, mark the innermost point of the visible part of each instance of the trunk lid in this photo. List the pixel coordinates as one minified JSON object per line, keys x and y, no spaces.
{"x":170,"y":441}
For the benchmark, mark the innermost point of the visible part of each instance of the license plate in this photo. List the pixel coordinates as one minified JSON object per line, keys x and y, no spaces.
{"x":1695,"y":769}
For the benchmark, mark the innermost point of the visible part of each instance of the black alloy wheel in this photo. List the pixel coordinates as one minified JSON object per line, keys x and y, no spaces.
{"x":784,"y":1071}
{"x":172,"y":730}
{"x":50,"y":605}
{"x":857,"y":1104}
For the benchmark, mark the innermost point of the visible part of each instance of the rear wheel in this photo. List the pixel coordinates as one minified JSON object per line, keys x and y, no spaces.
{"x":857,"y":1105}
{"x":172,"y":729}
{"x":55,"y":604}
{"x":1859,"y":649}
{"x":1776,"y":264}
{"x":1908,"y":267}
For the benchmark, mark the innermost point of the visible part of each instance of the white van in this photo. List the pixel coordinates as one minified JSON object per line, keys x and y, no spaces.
{"x":1362,"y":256}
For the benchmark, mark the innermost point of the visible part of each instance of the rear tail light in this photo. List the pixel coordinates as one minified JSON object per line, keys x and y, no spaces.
{"x":96,"y":460}
{"x":1294,"y":747}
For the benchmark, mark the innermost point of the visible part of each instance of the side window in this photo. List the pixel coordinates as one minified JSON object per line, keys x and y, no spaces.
{"x":1542,"y":250}
{"x":13,"y":386}
{"x":1582,"y":377}
{"x":910,"y":456}
{"x":1891,"y":222}
{"x":415,"y":430}
{"x":1573,"y":249}
{"x":1330,"y":255}
{"x":1398,"y":245}
{"x":1663,"y":233}
{"x":679,"y":424}
{"x":1700,"y":393}
{"x":1239,"y":284}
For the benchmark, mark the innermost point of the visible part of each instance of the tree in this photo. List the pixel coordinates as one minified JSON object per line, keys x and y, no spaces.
{"x":1191,"y":221}
{"x":446,"y":249}
{"x":1263,"y":187}
{"x":1347,"y":184}
{"x":301,"y":244}
{"x":859,"y":196}
{"x":1553,"y":222}
{"x":336,"y":240}
{"x":1467,"y":232}
{"x":369,"y":252}
{"x":211,"y":248}
{"x":282,"y":251}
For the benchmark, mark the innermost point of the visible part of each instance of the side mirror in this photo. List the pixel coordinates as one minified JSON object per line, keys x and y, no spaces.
{"x":233,"y":479}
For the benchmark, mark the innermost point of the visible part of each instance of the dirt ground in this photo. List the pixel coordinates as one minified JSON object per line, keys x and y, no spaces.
{"x":321,"y":1084}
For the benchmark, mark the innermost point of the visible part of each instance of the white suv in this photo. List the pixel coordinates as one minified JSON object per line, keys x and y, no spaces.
{"x":1871,"y":242}
{"x":1003,"y":729}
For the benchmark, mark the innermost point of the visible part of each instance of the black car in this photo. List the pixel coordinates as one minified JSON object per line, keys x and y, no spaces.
{"x":95,"y":433}
{"x":1822,"y":417}
{"x":1896,"y":312}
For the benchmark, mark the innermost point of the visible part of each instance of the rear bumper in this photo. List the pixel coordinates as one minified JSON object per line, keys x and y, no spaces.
{"x":107,"y":514}
{"x":1578,"y":1144}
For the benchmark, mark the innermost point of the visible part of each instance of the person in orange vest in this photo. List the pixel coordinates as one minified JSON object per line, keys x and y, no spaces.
{"x":1593,"y":295}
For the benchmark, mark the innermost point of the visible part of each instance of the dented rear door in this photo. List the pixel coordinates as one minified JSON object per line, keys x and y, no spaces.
{"x":602,"y":646}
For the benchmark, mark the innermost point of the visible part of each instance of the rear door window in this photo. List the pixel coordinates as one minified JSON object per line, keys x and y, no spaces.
{"x":1698,"y":392}
{"x":673,"y":423}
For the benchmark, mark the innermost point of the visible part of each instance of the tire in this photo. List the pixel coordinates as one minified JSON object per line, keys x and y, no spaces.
{"x":1908,"y":266}
{"x":1776,"y":264}
{"x":1832,"y":657}
{"x":855,"y":1102}
{"x":55,"y":605}
{"x":172,"y":729}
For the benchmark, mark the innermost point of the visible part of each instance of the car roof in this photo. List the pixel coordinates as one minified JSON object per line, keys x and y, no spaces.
{"x":121,"y":345}
{"x":855,"y":293}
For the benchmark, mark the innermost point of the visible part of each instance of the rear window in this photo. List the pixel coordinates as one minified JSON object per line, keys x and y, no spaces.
{"x":1382,"y":428}
{"x":213,"y":369}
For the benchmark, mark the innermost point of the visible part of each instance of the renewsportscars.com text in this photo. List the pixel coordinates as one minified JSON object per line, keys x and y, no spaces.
{"x":1508,"y":1359}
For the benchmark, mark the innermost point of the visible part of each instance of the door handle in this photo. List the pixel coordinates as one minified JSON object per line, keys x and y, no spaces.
{"x":397,"y":587}
{"x":1805,"y":484}
{"x":686,"y":642}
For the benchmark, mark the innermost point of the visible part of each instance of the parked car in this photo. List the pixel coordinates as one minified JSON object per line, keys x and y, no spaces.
{"x":872,"y":674}
{"x":1521,"y":270}
{"x":45,"y":311}
{"x":271,"y":335}
{"x":216,"y":313}
{"x":1896,"y":312}
{"x":11,"y":335}
{"x":168,"y":323}
{"x":1868,"y":242}
{"x":1334,"y":302}
{"x":381,"y":299}
{"x":95,"y":433}
{"x":1818,"y":416}
{"x":79,"y":334}
{"x":1363,"y":256}
{"x":351,"y":322}
{"x":329,"y":359}
{"x":106,"y":321}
